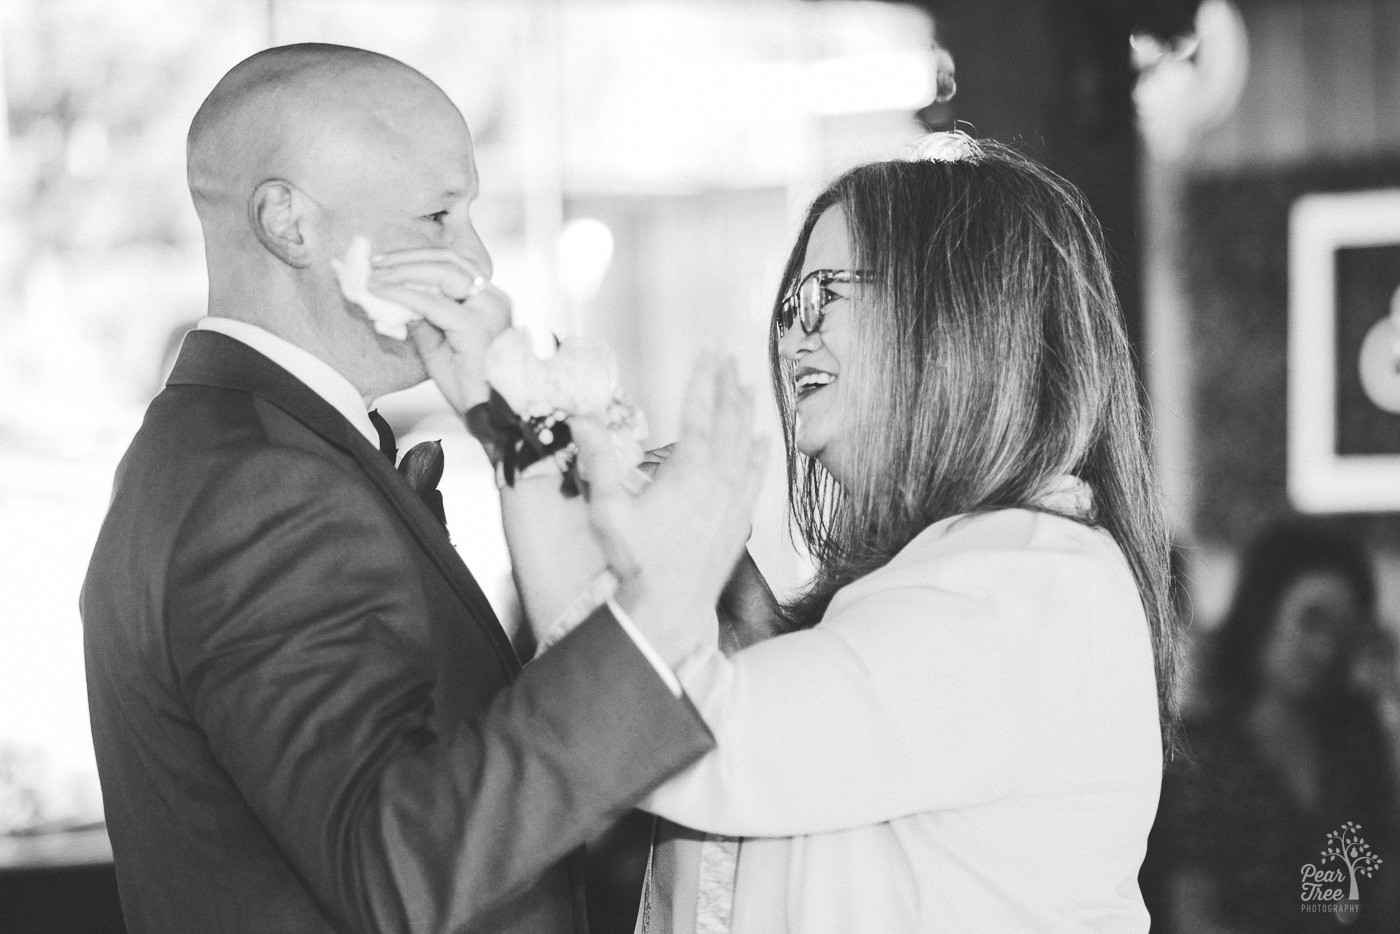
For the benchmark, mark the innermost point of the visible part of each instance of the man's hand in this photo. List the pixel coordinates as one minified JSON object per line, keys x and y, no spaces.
{"x":673,"y":545}
{"x":462,"y":313}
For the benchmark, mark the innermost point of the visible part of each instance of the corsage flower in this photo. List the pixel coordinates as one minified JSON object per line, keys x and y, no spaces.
{"x":525,"y":421}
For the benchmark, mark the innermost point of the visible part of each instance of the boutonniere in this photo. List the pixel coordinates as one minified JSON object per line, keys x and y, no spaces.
{"x":525,"y":422}
{"x":422,"y":467}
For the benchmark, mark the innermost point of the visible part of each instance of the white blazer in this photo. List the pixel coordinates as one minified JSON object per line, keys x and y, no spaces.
{"x":968,"y":741}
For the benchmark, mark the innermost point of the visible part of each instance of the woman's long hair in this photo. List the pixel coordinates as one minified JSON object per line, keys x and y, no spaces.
{"x":989,"y":357}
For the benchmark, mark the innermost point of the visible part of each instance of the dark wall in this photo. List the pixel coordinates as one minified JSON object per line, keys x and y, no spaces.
{"x":1055,"y":78}
{"x":1236,"y":259}
{"x":68,"y":900}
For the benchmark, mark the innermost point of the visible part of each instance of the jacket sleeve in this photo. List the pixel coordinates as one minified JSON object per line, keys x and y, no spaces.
{"x":910,"y":698}
{"x":297,"y":634}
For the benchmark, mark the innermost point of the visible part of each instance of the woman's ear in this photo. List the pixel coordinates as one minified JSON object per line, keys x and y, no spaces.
{"x":276,"y":212}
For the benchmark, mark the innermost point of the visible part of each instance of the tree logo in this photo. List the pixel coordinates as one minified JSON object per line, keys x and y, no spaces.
{"x":1323,"y":888}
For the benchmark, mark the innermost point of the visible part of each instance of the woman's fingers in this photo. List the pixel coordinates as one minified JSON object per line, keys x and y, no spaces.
{"x":737,"y":454}
{"x":731,"y":431}
{"x":718,"y":461}
{"x":758,"y":458}
{"x":653,"y":459}
{"x":698,"y":414}
{"x":717,"y":422}
{"x":734,"y":428}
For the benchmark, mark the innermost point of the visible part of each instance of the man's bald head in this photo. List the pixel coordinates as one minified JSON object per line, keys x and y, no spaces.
{"x":300,"y":111}
{"x":302,"y":148}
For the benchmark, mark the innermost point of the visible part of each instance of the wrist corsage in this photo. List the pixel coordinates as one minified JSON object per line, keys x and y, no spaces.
{"x":524,"y":424}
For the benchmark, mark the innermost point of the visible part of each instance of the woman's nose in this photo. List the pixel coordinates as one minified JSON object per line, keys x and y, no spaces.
{"x":797,"y":342}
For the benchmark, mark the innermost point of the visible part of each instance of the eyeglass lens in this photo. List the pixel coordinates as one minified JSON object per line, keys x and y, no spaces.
{"x":811,"y":293}
{"x":810,"y":296}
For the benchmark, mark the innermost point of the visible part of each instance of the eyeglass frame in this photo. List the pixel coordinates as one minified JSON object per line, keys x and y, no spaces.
{"x":787,"y":315}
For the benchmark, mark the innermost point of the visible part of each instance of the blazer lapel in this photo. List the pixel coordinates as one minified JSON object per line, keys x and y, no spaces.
{"x":211,"y":359}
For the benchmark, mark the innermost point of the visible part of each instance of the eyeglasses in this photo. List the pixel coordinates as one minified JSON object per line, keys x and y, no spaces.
{"x":806,"y":301}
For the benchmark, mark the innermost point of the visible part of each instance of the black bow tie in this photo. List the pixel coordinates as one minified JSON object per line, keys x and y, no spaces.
{"x":386,"y":436}
{"x":421,"y":466}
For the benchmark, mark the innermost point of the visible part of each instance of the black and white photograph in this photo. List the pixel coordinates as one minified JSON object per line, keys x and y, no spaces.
{"x":700,"y":466}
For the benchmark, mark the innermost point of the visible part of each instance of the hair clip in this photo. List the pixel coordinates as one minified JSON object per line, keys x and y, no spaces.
{"x":946,"y":146}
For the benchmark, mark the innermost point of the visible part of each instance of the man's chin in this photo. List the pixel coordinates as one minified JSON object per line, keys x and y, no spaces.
{"x":400,"y":363}
{"x":394,"y":347}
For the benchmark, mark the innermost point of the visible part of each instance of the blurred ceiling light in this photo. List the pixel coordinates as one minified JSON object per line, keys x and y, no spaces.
{"x":585,"y":253}
{"x":894,"y":80}
{"x":736,"y":93}
{"x":1190,"y":85}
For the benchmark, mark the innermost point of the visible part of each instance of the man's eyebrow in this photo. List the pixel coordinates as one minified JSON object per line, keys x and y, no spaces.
{"x":457,"y":193}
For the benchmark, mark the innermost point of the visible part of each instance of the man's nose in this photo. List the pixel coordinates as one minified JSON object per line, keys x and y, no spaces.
{"x":468,"y":243}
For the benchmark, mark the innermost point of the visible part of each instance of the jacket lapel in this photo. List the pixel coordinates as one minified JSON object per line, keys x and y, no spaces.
{"x":211,"y":359}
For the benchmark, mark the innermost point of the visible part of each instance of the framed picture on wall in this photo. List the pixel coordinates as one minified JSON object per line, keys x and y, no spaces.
{"x":1344,"y":352}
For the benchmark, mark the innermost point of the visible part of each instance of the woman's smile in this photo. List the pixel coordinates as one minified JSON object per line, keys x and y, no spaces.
{"x":810,"y":380}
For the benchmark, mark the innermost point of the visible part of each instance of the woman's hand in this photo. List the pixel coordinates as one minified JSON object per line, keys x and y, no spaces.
{"x":462,"y":314}
{"x":674,"y":544}
{"x":653,"y":459}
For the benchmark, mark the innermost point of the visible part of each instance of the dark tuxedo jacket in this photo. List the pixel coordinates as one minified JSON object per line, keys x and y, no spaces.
{"x":306,"y":716}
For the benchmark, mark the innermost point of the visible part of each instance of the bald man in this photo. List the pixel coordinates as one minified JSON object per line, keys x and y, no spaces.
{"x":306,"y":716}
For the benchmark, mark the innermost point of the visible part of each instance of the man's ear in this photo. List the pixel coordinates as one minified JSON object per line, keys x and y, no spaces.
{"x":275,"y":211}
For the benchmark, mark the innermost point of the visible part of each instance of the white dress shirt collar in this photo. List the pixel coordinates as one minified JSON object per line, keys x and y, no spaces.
{"x":318,"y":375}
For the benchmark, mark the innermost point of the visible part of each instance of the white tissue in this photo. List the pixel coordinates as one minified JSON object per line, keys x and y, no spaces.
{"x":389,"y":318}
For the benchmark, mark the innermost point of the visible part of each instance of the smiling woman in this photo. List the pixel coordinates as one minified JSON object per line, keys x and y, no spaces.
{"x":985,"y":356}
{"x":963,"y":725}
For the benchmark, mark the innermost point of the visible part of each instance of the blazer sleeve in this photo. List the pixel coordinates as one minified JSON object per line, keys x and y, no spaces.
{"x":908,"y":698}
{"x":296,"y":634}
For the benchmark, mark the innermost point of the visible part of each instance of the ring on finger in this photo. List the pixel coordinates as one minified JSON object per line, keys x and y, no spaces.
{"x":478,"y":283}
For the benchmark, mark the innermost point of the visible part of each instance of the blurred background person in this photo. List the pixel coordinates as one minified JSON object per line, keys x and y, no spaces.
{"x":1296,"y":733}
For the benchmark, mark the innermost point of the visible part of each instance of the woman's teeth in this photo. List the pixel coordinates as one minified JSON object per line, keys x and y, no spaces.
{"x":810,"y":381}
